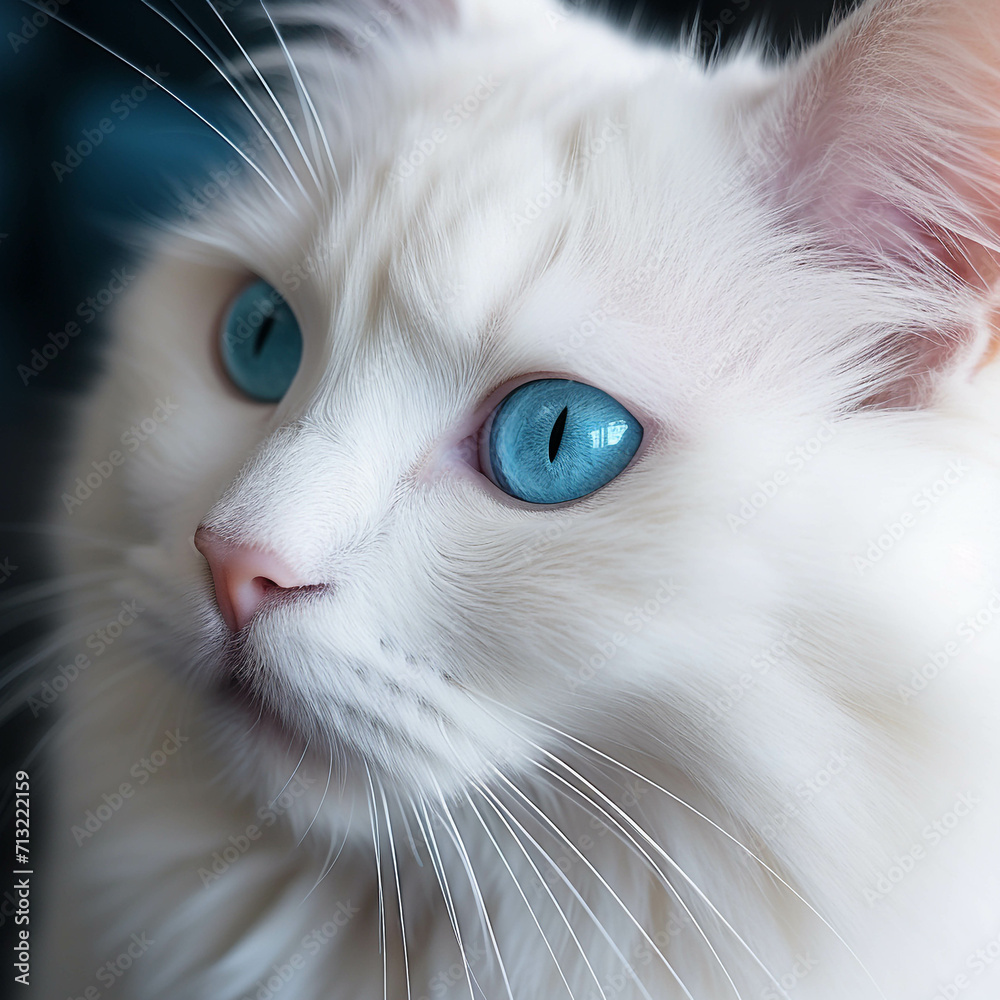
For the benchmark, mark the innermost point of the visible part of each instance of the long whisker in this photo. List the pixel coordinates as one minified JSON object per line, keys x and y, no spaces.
{"x":292,"y":775}
{"x":376,"y":841}
{"x":725,"y":833}
{"x":184,"y":104}
{"x":28,"y":592}
{"x":303,"y":93}
{"x":229,"y":77}
{"x":456,"y":838}
{"x":328,"y":865}
{"x":673,"y":889}
{"x":630,"y":839}
{"x":573,"y":889}
{"x":438,"y":865}
{"x":517,"y":885}
{"x":45,"y":609}
{"x":488,"y":797}
{"x":409,"y":832}
{"x":399,"y":891}
{"x":322,"y":800}
{"x":604,"y":882}
{"x":270,"y":93}
{"x":66,"y":635}
{"x":77,"y":534}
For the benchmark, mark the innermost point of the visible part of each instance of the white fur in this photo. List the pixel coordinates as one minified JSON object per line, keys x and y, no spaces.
{"x":687,"y":267}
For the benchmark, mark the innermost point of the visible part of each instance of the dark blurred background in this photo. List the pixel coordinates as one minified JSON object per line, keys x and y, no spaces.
{"x":89,"y":148}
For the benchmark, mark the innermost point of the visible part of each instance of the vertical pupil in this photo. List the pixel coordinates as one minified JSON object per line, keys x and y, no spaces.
{"x":555,"y":438}
{"x":265,"y":329}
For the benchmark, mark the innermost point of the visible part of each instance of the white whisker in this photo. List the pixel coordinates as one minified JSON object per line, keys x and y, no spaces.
{"x":488,"y":798}
{"x":725,"y":833}
{"x":328,"y":865}
{"x":226,"y":71}
{"x":184,"y":104}
{"x":322,"y":800}
{"x":546,"y":820}
{"x":376,"y":841}
{"x":456,"y":838}
{"x":662,"y":875}
{"x":399,"y":891}
{"x":578,"y":896}
{"x":305,"y":750}
{"x":409,"y":831}
{"x":303,"y":94}
{"x":517,"y":886}
{"x":438,"y":865}
{"x":270,"y":93}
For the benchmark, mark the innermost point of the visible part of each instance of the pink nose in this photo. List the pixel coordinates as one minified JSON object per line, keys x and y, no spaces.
{"x":243,"y":576}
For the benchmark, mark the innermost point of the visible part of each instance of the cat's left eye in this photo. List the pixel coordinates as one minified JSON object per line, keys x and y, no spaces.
{"x":261,"y":343}
{"x":553,"y":440}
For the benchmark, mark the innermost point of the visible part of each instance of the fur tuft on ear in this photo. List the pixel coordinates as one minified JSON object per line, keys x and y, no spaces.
{"x":892,"y":130}
{"x":889,"y":140}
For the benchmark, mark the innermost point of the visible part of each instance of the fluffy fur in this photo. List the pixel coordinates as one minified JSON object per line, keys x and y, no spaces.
{"x":725,"y":727}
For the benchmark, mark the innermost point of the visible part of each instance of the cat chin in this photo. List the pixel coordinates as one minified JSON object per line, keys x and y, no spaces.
{"x":324,"y":771}
{"x":313,"y":793}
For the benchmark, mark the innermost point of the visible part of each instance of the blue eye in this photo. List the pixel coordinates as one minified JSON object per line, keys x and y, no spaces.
{"x":553,"y":440}
{"x":261,"y":343}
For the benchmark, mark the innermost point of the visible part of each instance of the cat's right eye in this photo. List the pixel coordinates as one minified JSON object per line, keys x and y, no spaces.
{"x":554,"y":439}
{"x":261,"y":343}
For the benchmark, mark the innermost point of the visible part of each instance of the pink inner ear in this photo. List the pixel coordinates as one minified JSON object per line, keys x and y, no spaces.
{"x":890,"y":140}
{"x":872,"y":229}
{"x":891,"y":133}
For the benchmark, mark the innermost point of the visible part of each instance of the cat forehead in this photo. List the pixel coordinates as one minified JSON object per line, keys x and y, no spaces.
{"x":454,"y":213}
{"x":490,"y":217}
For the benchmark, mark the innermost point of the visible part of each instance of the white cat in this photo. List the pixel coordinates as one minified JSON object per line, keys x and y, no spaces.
{"x":537,"y":532}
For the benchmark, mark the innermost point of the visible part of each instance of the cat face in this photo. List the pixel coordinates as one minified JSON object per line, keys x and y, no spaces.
{"x":497,"y":210}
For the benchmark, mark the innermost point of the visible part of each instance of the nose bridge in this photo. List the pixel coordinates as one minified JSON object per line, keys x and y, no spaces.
{"x":308,"y":491}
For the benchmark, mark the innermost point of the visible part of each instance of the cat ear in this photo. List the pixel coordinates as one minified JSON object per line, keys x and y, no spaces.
{"x":889,"y":132}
